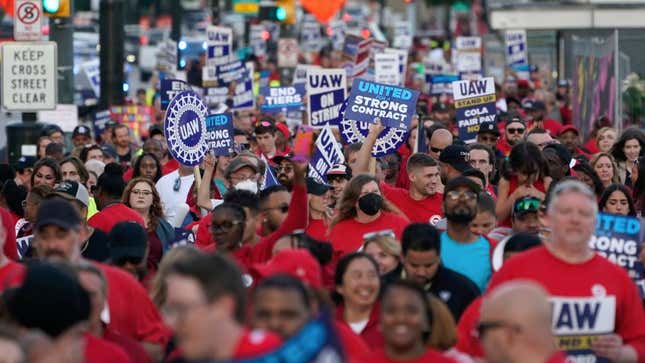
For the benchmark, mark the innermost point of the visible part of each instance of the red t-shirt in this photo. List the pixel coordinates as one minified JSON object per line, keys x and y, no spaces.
{"x":131,"y":347}
{"x":11,"y":275}
{"x":467,"y":341}
{"x":169,"y":167}
{"x":430,"y":356}
{"x":551,"y":125}
{"x":347,"y":236}
{"x":99,"y":350}
{"x":253,"y":343}
{"x":132,"y":313}
{"x":318,"y":229}
{"x":113,"y":214}
{"x":353,"y":345}
{"x":503,"y":146}
{"x":426,"y":210}
{"x":10,"y":248}
{"x":584,"y":296}
{"x":371,"y":334}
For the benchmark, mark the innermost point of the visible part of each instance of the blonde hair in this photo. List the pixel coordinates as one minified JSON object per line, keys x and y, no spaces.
{"x":387,"y":243}
{"x":602,"y":131}
{"x":597,"y":156}
{"x":443,"y":335}
{"x":177,"y":254}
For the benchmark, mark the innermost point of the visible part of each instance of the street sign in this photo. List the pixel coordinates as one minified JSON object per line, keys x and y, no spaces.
{"x":28,"y":19}
{"x":65,"y":116}
{"x":29,"y":81}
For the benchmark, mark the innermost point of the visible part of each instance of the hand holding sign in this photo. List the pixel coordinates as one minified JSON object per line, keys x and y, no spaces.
{"x":609,"y":346}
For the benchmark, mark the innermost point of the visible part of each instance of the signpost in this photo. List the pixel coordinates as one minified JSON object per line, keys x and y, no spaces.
{"x":28,"y":20}
{"x":29,"y":81}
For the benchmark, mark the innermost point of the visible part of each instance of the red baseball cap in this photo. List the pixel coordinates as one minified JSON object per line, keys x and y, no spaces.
{"x":568,"y":128}
{"x":283,"y":129}
{"x":297,"y":262}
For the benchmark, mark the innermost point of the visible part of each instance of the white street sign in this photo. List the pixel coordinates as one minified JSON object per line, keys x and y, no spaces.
{"x":29,"y":76}
{"x":28,"y":20}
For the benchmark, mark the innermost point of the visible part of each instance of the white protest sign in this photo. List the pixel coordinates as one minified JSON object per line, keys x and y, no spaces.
{"x":257,"y":41}
{"x":386,"y":68}
{"x":28,"y":20}
{"x":468,"y":59}
{"x":300,"y":74}
{"x":516,"y":52}
{"x":337,"y":29}
{"x":402,"y":38}
{"x":327,"y":90}
{"x":92,"y":70}
{"x":65,"y":116}
{"x":474,"y":104}
{"x":219,"y":42}
{"x":287,"y":52}
{"x":403,"y":63}
{"x":327,"y":153}
{"x":29,"y":76}
{"x":310,"y":38}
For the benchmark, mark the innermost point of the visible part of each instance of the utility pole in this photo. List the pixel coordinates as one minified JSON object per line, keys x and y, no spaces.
{"x":61,"y":31}
{"x":175,"y":32}
{"x":111,"y":38}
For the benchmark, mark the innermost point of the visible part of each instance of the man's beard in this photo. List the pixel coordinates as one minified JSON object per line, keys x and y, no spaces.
{"x":461,"y":215}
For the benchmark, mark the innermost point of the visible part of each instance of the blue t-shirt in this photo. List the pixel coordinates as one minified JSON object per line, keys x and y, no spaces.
{"x":469,"y":259}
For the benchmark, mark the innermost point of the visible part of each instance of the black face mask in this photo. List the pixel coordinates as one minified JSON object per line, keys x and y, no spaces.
{"x":370,"y":203}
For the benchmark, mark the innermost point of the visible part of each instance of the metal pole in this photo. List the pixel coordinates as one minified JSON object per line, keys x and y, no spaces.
{"x":111,"y":29}
{"x":175,"y":32}
{"x":618,"y":97}
{"x":62,"y":32}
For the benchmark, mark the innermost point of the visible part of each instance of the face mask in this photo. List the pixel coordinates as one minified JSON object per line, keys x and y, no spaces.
{"x":247,"y":184}
{"x":370,"y":203}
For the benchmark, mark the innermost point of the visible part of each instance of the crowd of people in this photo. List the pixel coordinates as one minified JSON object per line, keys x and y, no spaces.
{"x":113,"y":251}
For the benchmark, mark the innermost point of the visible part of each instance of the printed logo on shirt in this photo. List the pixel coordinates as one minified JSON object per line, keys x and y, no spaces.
{"x":578,"y":320}
{"x":434,"y":219}
{"x":445,"y":295}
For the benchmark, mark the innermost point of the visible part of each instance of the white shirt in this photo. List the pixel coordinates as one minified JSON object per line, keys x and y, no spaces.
{"x":170,"y":198}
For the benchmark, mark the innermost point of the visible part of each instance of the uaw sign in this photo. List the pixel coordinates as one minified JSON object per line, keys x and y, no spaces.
{"x":219,"y":45}
{"x":185,"y":128}
{"x":327,"y":153}
{"x":474,"y":103}
{"x":219,"y":133}
{"x":29,"y":74}
{"x":326,"y":89}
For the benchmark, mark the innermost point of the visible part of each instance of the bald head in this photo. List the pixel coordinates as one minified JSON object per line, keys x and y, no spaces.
{"x":518,"y":317}
{"x":439,"y":140}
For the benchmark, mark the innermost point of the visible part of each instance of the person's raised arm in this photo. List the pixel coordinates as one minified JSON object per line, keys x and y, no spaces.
{"x":365,"y":153}
{"x":204,"y":191}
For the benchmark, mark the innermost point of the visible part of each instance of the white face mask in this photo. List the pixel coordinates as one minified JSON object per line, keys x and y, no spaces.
{"x":247,"y":184}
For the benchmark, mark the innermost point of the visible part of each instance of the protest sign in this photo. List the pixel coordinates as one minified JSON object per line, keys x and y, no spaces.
{"x":386,"y":68}
{"x":185,"y":128}
{"x":137,"y":118}
{"x":326,"y":89}
{"x":403,"y":63}
{"x":517,"y":56}
{"x":281,"y":99}
{"x":93,"y":72}
{"x":170,"y":88}
{"x":618,"y":239}
{"x":387,"y":142}
{"x":337,"y":29}
{"x":287,"y":52}
{"x":219,"y":133}
{"x":402,"y":38}
{"x":356,"y":55}
{"x":223,"y":74}
{"x":99,"y":121}
{"x":395,"y":106}
{"x":300,"y":74}
{"x":310,"y":37}
{"x":256,"y":40}
{"x":244,"y":99}
{"x":303,"y":144}
{"x":474,"y":103}
{"x":327,"y":153}
{"x":440,"y":84}
{"x":468,"y":58}
{"x":219,"y":45}
{"x":215,"y":96}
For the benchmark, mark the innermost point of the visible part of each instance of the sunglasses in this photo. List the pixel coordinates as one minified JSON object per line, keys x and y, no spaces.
{"x":455,"y":194}
{"x":224,"y":226}
{"x":519,"y":130}
{"x":526,"y":205}
{"x":373,"y":235}
{"x":282,"y":208}
{"x":435,"y":150}
{"x":485,"y":326}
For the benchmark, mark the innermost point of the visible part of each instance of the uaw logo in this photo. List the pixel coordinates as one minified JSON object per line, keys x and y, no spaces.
{"x":185,"y":126}
{"x":353,"y":131}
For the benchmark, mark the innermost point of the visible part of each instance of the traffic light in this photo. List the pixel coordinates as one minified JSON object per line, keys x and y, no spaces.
{"x":56,"y":8}
{"x":289,"y":7}
{"x":283,"y":11}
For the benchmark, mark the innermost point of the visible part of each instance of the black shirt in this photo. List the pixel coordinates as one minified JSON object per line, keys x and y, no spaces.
{"x":454,"y":289}
{"x":97,"y":248}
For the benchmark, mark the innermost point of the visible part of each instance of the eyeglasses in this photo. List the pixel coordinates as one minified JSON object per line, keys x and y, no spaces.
{"x":224,"y":226}
{"x":177,"y":185}
{"x":435,"y":150}
{"x":283,"y":208}
{"x":519,"y":130}
{"x":144,"y":193}
{"x":485,"y":326}
{"x":526,"y":205}
{"x":383,"y":233}
{"x":455,"y":194}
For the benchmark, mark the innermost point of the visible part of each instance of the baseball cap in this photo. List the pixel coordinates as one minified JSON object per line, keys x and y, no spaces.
{"x":566,"y":128}
{"x":533,"y":105}
{"x":57,"y":212}
{"x":440,"y":107}
{"x":81,"y":130}
{"x":71,"y":190}
{"x":563,"y":83}
{"x":488,"y":127}
{"x":280,"y":158}
{"x":524,"y":205}
{"x":516,"y":243}
{"x":25,"y":162}
{"x":297,"y":262}
{"x":316,"y":188}
{"x":237,"y":164}
{"x":457,"y":156}
{"x":461,"y":181}
{"x":339,"y":169}
{"x":284,"y":129}
{"x":110,"y":151}
{"x":127,"y":240}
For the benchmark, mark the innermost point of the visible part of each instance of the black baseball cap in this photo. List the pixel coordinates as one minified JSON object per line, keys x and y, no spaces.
{"x":57,"y":212}
{"x":280,"y":158}
{"x":457,"y":156}
{"x":533,"y":105}
{"x":127,"y":240}
{"x":81,"y":130}
{"x":316,"y":188}
{"x":488,"y":127}
{"x":461,"y":181}
{"x":25,"y":162}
